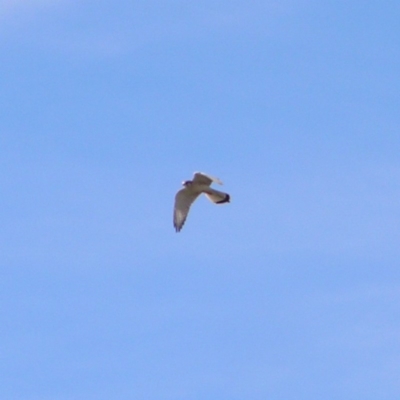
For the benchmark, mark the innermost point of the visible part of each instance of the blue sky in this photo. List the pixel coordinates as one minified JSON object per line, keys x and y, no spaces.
{"x":292,"y":291}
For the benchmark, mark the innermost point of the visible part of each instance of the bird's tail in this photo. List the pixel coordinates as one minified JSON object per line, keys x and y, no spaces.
{"x":217,"y":197}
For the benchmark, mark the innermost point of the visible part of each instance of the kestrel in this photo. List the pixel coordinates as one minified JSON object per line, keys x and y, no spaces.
{"x":192,"y":189}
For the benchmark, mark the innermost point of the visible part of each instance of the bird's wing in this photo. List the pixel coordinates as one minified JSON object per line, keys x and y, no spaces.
{"x":204,"y":179}
{"x":183,"y":200}
{"x":217,"y":197}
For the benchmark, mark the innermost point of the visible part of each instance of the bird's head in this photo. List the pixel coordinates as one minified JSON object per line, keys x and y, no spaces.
{"x":187,"y":183}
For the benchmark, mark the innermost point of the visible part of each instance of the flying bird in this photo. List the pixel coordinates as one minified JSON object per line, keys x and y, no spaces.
{"x":191,"y":191}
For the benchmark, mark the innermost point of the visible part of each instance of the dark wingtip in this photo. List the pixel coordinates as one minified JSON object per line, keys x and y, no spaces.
{"x":177,"y":227}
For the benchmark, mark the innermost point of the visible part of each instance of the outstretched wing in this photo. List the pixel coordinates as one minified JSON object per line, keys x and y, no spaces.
{"x":217,"y":197}
{"x":183,"y":200}
{"x":204,"y":179}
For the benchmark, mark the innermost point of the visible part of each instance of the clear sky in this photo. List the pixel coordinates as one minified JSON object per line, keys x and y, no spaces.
{"x":290,"y":292}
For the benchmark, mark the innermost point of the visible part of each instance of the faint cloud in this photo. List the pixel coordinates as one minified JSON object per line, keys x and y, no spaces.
{"x":20,"y":21}
{"x":88,"y":45}
{"x":12,"y":7}
{"x":112,"y":28}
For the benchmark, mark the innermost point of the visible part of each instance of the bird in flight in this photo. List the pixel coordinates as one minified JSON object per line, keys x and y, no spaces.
{"x":191,"y":190}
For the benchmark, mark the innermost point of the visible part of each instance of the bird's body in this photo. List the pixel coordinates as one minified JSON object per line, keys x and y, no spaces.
{"x":192,"y":189}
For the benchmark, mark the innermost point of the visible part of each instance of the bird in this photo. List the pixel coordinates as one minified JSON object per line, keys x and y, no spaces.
{"x":191,"y":191}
